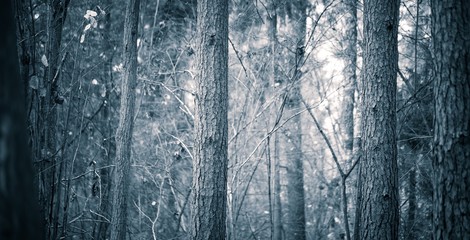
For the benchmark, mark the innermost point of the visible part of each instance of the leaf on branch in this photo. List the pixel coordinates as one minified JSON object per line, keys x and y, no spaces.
{"x":44,"y":61}
{"x":90,"y":13}
{"x":103,"y":90}
{"x":87,"y":27}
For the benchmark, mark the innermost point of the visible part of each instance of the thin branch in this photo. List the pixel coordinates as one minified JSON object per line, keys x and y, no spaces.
{"x":142,"y":212}
{"x":332,"y":151}
{"x":413,"y":96}
{"x":353,"y":166}
{"x":186,"y":108}
{"x":238,"y":56}
{"x":99,"y":215}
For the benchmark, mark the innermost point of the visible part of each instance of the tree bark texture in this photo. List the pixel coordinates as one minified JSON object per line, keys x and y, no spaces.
{"x":451,"y":163}
{"x":25,"y":36}
{"x":19,"y":216}
{"x":379,"y":171}
{"x":295,"y":225}
{"x":210,"y":150}
{"x":126,"y":123}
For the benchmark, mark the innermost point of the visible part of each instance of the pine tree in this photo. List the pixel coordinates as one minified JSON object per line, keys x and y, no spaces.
{"x":451,"y":200}
{"x":379,"y":218}
{"x":211,"y":127}
{"x":126,"y":123}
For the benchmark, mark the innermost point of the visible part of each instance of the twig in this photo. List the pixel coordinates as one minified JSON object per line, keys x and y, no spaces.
{"x":327,"y":141}
{"x":238,"y":56}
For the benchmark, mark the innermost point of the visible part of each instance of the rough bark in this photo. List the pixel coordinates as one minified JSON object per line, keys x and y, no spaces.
{"x":379,"y":172}
{"x":25,"y":36}
{"x":357,"y":216}
{"x":126,"y":123}
{"x":451,"y":200}
{"x":210,"y":150}
{"x":19,"y":215}
{"x":358,"y":151}
{"x":295,"y":225}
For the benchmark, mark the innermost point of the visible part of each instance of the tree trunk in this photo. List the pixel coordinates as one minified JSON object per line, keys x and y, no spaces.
{"x":275,"y":183}
{"x":277,"y":207}
{"x":295,"y":226}
{"x":410,"y":221}
{"x":168,"y":200}
{"x":350,"y":39}
{"x":126,"y":124}
{"x":349,"y":98}
{"x":25,"y":36}
{"x":379,"y":171}
{"x":210,"y":156}
{"x":451,"y":201}
{"x":19,"y":216}
{"x":357,"y":216}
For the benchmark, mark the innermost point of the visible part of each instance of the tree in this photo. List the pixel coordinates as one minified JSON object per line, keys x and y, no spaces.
{"x":211,"y":128}
{"x":295,"y":225}
{"x":19,"y":215}
{"x":126,"y":123}
{"x":451,"y":199}
{"x":274,"y":164}
{"x":379,"y":172}
{"x":350,"y":57}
